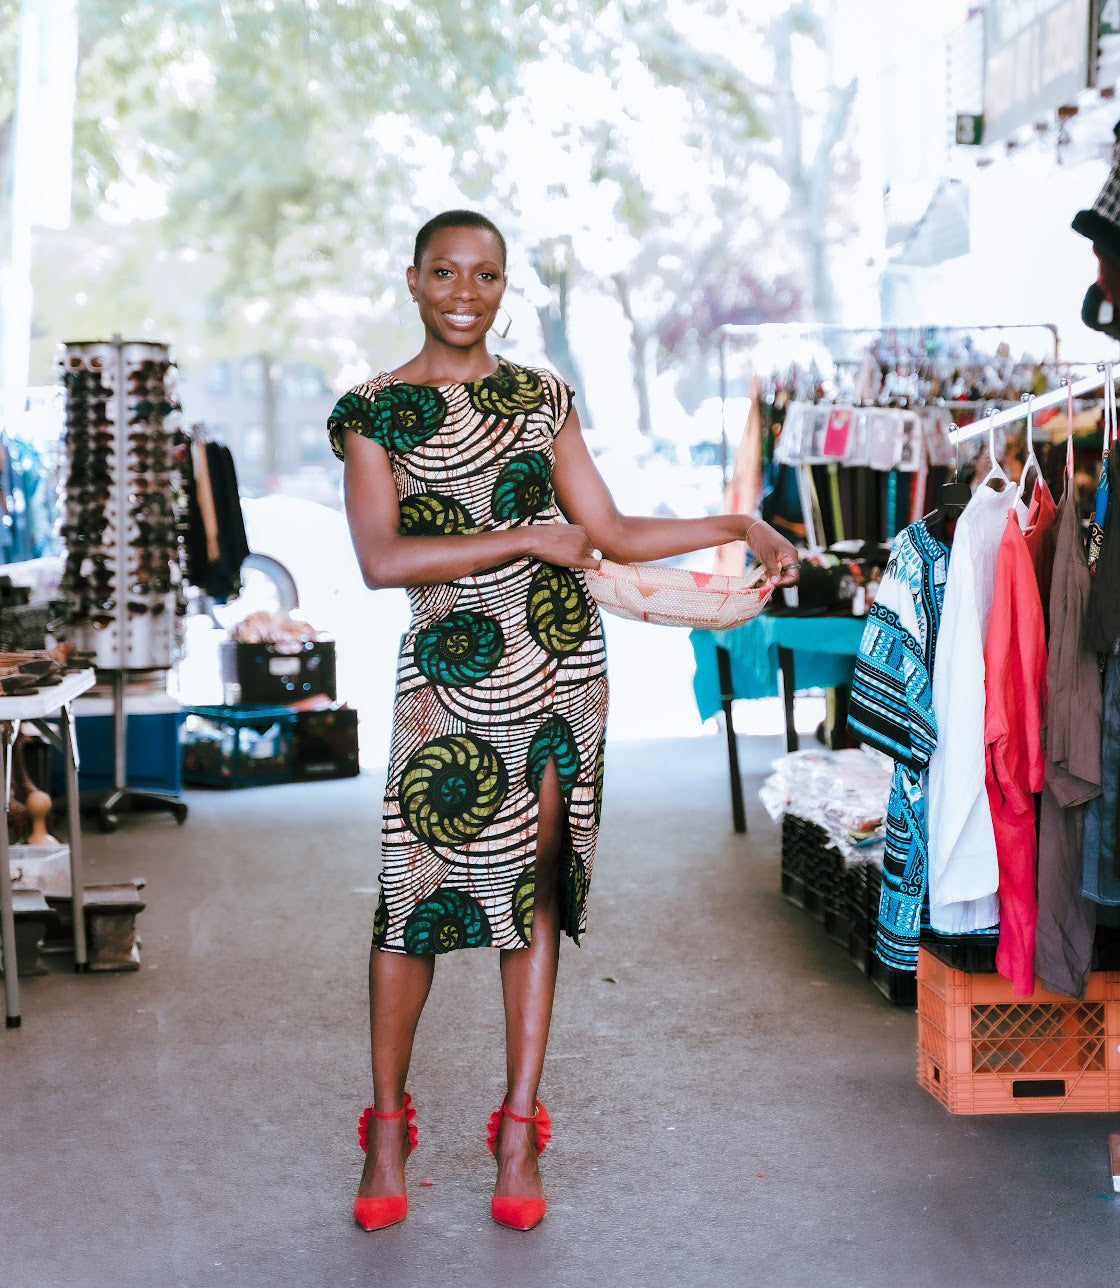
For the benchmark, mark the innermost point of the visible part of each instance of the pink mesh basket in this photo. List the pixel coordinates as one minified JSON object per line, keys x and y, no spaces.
{"x":676,"y":596}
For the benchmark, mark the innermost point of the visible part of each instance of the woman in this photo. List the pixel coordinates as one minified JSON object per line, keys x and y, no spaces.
{"x":460,"y":471}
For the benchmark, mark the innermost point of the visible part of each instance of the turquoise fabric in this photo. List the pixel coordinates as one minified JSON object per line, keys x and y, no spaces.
{"x":824,"y":653}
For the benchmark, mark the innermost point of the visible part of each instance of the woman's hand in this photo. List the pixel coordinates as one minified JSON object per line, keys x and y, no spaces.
{"x":775,"y":553}
{"x":566,"y":545}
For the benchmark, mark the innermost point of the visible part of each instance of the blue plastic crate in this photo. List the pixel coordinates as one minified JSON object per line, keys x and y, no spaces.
{"x":242,"y":746}
{"x":151,"y":753}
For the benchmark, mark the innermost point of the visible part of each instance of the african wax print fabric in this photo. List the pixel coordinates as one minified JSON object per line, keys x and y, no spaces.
{"x":892,"y":709}
{"x":499,"y":672}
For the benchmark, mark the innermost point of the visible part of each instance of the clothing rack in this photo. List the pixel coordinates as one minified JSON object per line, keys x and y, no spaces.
{"x":1087,"y":385}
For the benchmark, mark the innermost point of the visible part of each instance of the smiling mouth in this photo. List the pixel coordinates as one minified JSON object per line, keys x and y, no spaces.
{"x":462,"y":319}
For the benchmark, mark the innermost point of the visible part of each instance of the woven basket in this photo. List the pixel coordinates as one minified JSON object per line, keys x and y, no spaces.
{"x":677,"y":597}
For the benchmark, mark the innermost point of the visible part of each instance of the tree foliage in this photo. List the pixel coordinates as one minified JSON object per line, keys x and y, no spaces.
{"x":250,"y":172}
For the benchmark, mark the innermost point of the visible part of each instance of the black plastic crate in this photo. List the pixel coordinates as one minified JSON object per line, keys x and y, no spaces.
{"x":834,"y":896}
{"x":865,"y":883}
{"x":861,"y":949}
{"x":266,"y":675}
{"x":793,"y":861}
{"x":973,"y":953}
{"x":326,"y":744}
{"x":897,"y":986}
{"x":804,"y":846}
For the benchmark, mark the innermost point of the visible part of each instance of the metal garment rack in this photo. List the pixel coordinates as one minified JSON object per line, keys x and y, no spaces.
{"x":731,"y":331}
{"x":997,"y":419}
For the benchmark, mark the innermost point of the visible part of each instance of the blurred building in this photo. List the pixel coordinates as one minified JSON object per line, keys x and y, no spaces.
{"x":273,"y":417}
{"x":988,"y":132}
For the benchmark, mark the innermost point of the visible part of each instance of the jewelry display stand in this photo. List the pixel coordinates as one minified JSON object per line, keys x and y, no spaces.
{"x":121,"y":578}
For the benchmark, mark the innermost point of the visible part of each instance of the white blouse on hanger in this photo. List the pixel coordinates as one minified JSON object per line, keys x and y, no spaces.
{"x":963,"y":871}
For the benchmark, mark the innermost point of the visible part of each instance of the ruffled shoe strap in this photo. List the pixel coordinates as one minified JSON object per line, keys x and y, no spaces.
{"x":540,"y":1118}
{"x":408,"y":1113}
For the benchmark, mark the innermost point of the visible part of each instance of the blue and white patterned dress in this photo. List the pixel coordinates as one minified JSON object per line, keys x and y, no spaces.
{"x":892,"y":709}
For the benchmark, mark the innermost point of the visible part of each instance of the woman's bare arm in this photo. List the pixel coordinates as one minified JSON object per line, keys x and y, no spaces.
{"x":388,"y":559}
{"x":586,"y":500}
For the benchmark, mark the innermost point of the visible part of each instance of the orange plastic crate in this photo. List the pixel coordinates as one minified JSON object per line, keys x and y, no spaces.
{"x":981,"y":1050}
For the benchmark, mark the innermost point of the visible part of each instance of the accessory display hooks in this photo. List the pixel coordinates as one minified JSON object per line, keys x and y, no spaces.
{"x":120,"y":580}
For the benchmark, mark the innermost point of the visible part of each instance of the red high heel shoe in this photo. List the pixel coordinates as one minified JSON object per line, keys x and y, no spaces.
{"x":518,"y":1214}
{"x":377,"y":1213}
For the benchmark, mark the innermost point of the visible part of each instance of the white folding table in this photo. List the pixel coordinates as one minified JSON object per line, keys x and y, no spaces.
{"x":38,"y":710}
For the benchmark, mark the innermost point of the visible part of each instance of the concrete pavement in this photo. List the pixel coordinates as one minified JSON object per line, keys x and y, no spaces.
{"x":732,"y":1103}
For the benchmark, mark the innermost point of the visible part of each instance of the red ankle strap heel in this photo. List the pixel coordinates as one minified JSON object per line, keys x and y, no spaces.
{"x":407,"y":1113}
{"x":377,"y":1213}
{"x":518,"y":1214}
{"x":541,"y":1118}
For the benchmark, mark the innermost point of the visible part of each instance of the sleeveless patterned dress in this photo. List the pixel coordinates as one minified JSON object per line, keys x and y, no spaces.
{"x":498,"y":672}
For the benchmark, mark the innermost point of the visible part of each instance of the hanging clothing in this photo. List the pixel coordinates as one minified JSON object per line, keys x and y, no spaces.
{"x":1063,"y":948}
{"x":1102,"y":617}
{"x":964,"y":872}
{"x":1039,"y":535}
{"x":1100,"y":868}
{"x":1099,"y":518}
{"x":892,"y":709}
{"x":1015,"y":695}
{"x":200,"y":460}
{"x":233,"y":545}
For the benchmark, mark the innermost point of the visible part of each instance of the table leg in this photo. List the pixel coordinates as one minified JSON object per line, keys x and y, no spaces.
{"x":836,"y":719}
{"x":726,"y":694}
{"x":7,"y":919}
{"x":785,"y":666}
{"x":74,"y":825}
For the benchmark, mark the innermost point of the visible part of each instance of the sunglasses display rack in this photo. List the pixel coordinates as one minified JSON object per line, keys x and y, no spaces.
{"x":120,"y":577}
{"x":121,"y":593}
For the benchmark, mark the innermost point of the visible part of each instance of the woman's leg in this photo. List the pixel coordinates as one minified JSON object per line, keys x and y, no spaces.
{"x":398,"y":989}
{"x":528,"y":987}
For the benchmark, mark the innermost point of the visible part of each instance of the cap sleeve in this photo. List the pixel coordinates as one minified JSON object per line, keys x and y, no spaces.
{"x":353,"y":411}
{"x":563,"y":400}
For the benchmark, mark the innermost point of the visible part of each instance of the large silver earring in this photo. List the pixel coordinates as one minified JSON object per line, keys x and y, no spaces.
{"x":402,"y":321}
{"x":502,"y":331}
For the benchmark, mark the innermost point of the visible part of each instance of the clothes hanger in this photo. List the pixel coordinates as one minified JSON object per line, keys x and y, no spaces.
{"x":952,"y":499}
{"x":1108,"y":429}
{"x":996,"y":471}
{"x":1032,"y":459}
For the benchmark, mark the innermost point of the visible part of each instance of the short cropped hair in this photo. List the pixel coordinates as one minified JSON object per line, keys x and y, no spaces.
{"x":454,"y":219}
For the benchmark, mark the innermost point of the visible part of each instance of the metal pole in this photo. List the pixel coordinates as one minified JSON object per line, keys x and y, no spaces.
{"x":723,"y":453}
{"x":1056,"y":396}
{"x":7,"y":919}
{"x":74,"y":825}
{"x":119,"y":726}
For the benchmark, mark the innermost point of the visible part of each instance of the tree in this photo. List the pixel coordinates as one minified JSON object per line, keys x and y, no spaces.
{"x":249,"y":173}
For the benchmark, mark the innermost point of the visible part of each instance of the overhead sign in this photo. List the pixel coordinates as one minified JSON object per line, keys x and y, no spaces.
{"x":1037,"y":57}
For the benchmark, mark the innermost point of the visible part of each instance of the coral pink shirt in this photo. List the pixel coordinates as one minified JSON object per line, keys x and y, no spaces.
{"x":1014,"y":702}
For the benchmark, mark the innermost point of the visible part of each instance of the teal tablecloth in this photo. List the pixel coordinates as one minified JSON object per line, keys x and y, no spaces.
{"x":824,"y":654}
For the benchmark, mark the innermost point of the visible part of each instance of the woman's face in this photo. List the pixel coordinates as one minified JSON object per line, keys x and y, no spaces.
{"x":459,"y":285}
